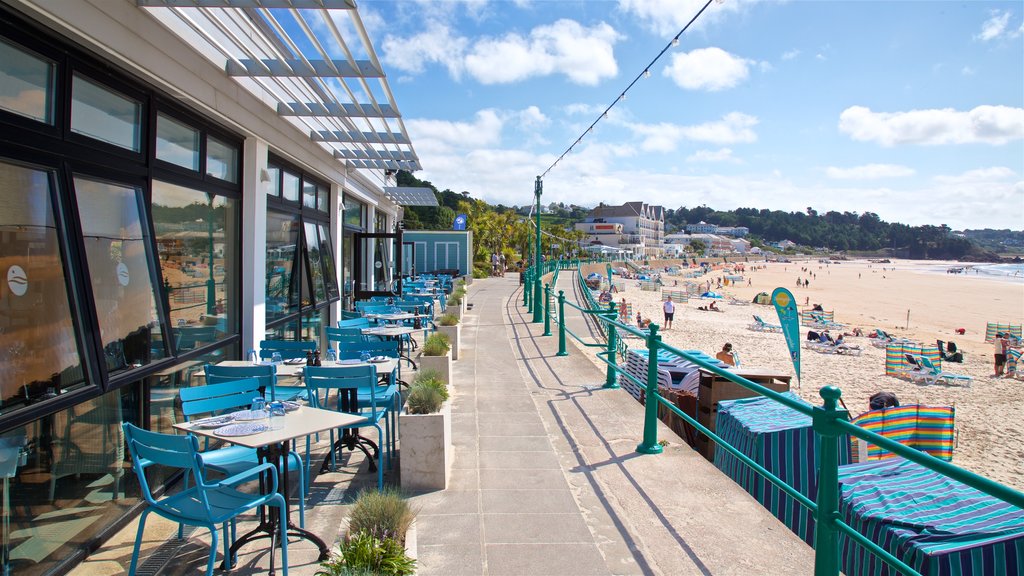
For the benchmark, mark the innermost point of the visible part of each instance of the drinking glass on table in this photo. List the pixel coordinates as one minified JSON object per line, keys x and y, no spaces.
{"x":331,"y":355}
{"x":276,"y":415}
{"x":364,"y":356}
{"x":275,"y":358}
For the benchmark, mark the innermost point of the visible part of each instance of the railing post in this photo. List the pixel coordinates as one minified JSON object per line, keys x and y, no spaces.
{"x":611,"y":380}
{"x":826,"y":541}
{"x":650,"y":443}
{"x":547,"y":310}
{"x":561,"y":324}
{"x":526,"y":288}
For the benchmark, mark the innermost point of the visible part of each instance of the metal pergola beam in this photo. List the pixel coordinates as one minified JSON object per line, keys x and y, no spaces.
{"x":331,"y":109}
{"x":296,"y":68}
{"x":352,"y":137}
{"x":297,"y":4}
{"x":398,"y":156}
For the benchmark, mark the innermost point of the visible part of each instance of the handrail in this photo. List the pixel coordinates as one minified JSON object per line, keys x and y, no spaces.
{"x":828,"y":422}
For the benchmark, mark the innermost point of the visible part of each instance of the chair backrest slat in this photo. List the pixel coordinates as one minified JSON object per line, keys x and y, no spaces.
{"x":353,"y":350}
{"x":288,"y":349}
{"x":323,"y":379}
{"x":218,"y":397}
{"x":267,"y":375}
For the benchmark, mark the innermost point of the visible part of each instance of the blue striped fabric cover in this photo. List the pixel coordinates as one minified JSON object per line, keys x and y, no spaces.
{"x":781,"y":440}
{"x":936,"y":525}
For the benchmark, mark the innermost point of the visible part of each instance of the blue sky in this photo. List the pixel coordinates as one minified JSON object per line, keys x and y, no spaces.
{"x":912,"y":110}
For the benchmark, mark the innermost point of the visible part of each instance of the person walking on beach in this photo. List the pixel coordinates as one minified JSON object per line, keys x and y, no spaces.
{"x":670,"y":311}
{"x":1000,"y":344}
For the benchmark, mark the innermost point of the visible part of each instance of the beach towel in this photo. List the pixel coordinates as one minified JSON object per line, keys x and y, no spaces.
{"x":925,"y":428}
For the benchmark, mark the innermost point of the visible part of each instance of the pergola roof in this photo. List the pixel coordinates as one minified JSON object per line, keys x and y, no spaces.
{"x":411,"y":196}
{"x":311,"y":61}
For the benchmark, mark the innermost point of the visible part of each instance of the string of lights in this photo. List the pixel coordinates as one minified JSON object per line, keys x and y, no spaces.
{"x":645,"y":73}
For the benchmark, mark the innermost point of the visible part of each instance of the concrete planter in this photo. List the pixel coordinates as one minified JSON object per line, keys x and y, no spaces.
{"x":454,"y":311}
{"x":425,"y":450}
{"x":442,"y":364}
{"x":453,"y":336}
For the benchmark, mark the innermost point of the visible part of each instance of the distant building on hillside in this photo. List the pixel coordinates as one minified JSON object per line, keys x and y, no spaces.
{"x":677,"y":244}
{"x":636,"y":227}
{"x":702,"y":228}
{"x":784,"y":244}
{"x":734,"y":231}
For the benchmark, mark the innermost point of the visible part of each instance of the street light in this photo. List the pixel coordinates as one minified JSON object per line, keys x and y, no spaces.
{"x":538,"y":313}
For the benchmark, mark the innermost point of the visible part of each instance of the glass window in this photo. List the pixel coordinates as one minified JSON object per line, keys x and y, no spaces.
{"x":105,"y":115}
{"x":313,"y":324}
{"x":290,"y":187}
{"x":315,"y":262}
{"x":177,"y":143}
{"x":118,"y":254}
{"x":327,"y":254}
{"x":282,"y":244}
{"x":274,"y":186}
{"x":26,"y":84}
{"x":196,"y":238}
{"x":221,"y":160}
{"x":323,"y":198}
{"x":382,"y":222}
{"x":309,"y":195}
{"x":38,"y":349}
{"x":353,"y":212}
{"x":347,"y":267}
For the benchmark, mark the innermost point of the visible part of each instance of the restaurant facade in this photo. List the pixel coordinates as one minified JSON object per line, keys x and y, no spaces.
{"x":178,"y":181}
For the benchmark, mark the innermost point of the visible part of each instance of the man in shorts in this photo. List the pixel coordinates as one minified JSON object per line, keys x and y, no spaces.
{"x":1000,"y":346}
{"x":670,"y":311}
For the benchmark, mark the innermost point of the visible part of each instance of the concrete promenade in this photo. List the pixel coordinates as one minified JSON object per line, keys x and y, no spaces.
{"x":546,"y":479}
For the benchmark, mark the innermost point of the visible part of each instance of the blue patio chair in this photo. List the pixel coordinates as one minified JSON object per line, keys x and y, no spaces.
{"x":288,"y":349}
{"x":267,"y":375}
{"x":344,"y":335}
{"x":191,"y":337}
{"x":356,"y":384}
{"x":231,"y":460}
{"x":207,"y":504}
{"x":360,"y":322}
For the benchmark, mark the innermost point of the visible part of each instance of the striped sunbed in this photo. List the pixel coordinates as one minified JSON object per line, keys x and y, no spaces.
{"x":925,"y":428}
{"x":936,"y":525}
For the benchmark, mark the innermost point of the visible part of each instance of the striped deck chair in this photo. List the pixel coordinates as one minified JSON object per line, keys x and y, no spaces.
{"x":925,"y":428}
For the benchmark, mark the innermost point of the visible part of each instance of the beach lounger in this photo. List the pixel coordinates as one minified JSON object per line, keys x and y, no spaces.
{"x":847,"y":350}
{"x":915,"y":370}
{"x":760,"y":325}
{"x":933,"y":374}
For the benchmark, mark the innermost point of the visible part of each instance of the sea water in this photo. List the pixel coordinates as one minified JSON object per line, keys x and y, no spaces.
{"x":1001,"y":271}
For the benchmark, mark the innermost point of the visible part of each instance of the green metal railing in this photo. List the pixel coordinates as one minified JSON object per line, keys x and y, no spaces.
{"x":829,"y":422}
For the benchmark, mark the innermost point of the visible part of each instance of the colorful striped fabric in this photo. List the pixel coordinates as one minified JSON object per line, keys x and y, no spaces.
{"x":925,"y":428}
{"x":807,"y":317}
{"x":1013,"y":358}
{"x":996,"y":327}
{"x":782,"y":441}
{"x":896,"y":356}
{"x":936,"y":525}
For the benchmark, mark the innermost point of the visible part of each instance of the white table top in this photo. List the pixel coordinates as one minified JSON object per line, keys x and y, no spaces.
{"x":302,"y":422}
{"x":396,"y":317}
{"x":391,"y":330}
{"x":295,"y":370}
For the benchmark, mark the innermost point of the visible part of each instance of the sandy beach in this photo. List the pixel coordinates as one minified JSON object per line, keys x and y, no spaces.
{"x":989,"y":414}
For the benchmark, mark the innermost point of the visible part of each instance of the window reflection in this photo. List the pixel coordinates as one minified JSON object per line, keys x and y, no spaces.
{"x":26,"y":84}
{"x":315,"y":262}
{"x":290,"y":186}
{"x":177,"y":143}
{"x":117,"y":253}
{"x":105,"y":115}
{"x":38,"y":350}
{"x":282,"y":245}
{"x":327,"y":254}
{"x":221,"y":160}
{"x":195,"y":235}
{"x":309,"y":194}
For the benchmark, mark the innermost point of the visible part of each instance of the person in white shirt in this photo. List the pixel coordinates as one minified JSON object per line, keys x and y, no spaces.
{"x":670,"y":310}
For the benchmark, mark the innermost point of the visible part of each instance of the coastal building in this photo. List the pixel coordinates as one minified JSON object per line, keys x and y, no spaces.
{"x":636,"y":227}
{"x":740,"y":245}
{"x":676,"y":244}
{"x":177,"y":184}
{"x":701,"y":228}
{"x":734,"y":231}
{"x":785,"y":244}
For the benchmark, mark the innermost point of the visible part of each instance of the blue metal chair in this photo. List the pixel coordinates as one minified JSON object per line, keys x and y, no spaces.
{"x":288,"y":349}
{"x":359,"y":322}
{"x":337,"y":335}
{"x":267,"y":375}
{"x":207,"y":504}
{"x":231,"y":460}
{"x":358,"y":393}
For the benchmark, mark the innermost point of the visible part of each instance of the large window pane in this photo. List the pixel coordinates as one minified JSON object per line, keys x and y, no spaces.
{"x":282,"y":252}
{"x":315,"y":262}
{"x":26,"y":84}
{"x":221,"y":160}
{"x":274,"y":186}
{"x":327,"y":255}
{"x":105,"y":115}
{"x":38,"y":350}
{"x":353,"y":212}
{"x":69,"y":477}
{"x":309,"y":194}
{"x":177,"y":143}
{"x":323,"y":198}
{"x":117,"y":252}
{"x":195,"y":237}
{"x":290,"y":187}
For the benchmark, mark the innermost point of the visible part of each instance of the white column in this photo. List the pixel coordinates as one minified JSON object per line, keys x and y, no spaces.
{"x":370,"y":254}
{"x":337,"y":216}
{"x":254,"y":242}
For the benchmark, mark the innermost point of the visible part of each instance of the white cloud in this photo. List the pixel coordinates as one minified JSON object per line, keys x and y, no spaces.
{"x":443,"y":135}
{"x":967,"y":71}
{"x":979,"y":175}
{"x":994,"y":27}
{"x":790,"y":54}
{"x":820,"y":56}
{"x":720,"y":155}
{"x":733,"y":128}
{"x":984,"y":124}
{"x":531,"y":118}
{"x":869,"y":172}
{"x":435,"y":45}
{"x":667,"y":17}
{"x":584,"y":55}
{"x":709,"y":69}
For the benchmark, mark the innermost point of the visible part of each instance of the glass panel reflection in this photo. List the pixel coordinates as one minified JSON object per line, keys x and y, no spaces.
{"x":177,"y":143}
{"x":274,"y":185}
{"x":290,"y":187}
{"x":117,"y":252}
{"x":309,"y":194}
{"x":195,"y":237}
{"x":327,"y":254}
{"x":313,"y":325}
{"x":282,"y":244}
{"x":26,"y":84}
{"x":38,"y":350}
{"x":323,"y":197}
{"x":105,"y":115}
{"x":353,"y":212}
{"x":315,"y":264}
{"x":221,"y":160}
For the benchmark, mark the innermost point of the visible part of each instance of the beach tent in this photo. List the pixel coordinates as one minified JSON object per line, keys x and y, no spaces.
{"x":783,"y":441}
{"x":762,"y":298}
{"x":925,"y":428}
{"x":896,"y":356}
{"x":994,"y":327}
{"x":936,"y":525}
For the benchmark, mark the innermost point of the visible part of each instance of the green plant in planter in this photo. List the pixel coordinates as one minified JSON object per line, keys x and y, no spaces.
{"x":424,"y":399}
{"x":383,"y":514}
{"x":448,"y":320}
{"x":454,"y":300}
{"x":436,"y":344}
{"x":363,"y":553}
{"x":432,"y":378}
